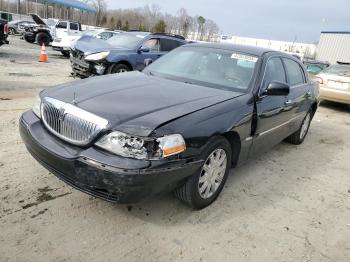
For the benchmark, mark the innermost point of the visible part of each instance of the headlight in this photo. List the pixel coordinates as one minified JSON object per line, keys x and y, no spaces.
{"x":142,"y":148}
{"x":97,"y":56}
{"x":171,"y":145}
{"x":123,"y":145}
{"x":37,"y":107}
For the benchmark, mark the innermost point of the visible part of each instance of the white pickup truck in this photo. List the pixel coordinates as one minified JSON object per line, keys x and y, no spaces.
{"x":65,"y":33}
{"x":44,"y":33}
{"x":65,"y":42}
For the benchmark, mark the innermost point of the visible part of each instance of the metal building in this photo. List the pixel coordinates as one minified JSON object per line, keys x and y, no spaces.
{"x":334,"y":47}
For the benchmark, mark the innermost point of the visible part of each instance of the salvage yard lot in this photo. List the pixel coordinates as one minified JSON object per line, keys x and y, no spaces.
{"x":291,"y":204}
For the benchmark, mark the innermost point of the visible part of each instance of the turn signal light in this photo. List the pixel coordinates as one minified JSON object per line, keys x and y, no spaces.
{"x":174,"y":150}
{"x":6,"y":29}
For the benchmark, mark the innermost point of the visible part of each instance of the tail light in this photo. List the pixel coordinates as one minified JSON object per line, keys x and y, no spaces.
{"x":319,"y":80}
{"x":6,"y":29}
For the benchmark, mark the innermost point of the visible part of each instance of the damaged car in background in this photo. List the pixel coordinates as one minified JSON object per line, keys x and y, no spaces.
{"x":179,"y":125}
{"x":125,"y":52}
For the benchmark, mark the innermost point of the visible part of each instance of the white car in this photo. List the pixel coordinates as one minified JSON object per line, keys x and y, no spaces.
{"x":65,"y":43}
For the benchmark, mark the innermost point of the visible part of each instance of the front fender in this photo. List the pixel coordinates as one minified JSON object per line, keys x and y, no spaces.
{"x":118,"y":58}
{"x":234,"y":115}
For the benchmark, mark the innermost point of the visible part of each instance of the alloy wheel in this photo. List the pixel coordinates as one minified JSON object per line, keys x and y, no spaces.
{"x":305,"y":126}
{"x":212,"y":174}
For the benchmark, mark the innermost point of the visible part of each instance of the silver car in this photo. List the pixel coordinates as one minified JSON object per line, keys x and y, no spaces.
{"x":335,"y":83}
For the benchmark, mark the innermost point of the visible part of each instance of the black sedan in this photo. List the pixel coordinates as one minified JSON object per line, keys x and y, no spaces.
{"x":180,"y":125}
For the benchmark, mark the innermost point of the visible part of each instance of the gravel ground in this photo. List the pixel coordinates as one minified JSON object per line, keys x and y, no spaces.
{"x":291,"y":204}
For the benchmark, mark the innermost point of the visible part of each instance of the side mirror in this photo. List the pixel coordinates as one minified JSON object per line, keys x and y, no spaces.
{"x":147,"y":61}
{"x":144,"y":49}
{"x":276,"y":88}
{"x":99,"y":37}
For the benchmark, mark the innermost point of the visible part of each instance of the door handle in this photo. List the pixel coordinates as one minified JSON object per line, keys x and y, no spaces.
{"x":308,"y":94}
{"x":288,"y":103}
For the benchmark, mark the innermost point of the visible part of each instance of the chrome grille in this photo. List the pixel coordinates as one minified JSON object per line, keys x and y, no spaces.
{"x":71,"y":123}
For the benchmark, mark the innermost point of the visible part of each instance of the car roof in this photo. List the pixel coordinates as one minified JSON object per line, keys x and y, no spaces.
{"x":253,"y":50}
{"x":137,"y":33}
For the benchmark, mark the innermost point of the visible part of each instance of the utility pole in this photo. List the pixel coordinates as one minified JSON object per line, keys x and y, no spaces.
{"x":18,"y":6}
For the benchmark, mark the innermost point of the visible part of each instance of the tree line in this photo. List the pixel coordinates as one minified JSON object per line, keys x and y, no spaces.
{"x":152,"y":19}
{"x":147,"y":18}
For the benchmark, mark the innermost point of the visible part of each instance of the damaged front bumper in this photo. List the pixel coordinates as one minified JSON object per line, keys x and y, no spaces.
{"x":84,"y":69}
{"x":99,"y":173}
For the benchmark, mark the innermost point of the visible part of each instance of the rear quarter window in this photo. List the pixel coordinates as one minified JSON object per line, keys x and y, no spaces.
{"x":294,"y":72}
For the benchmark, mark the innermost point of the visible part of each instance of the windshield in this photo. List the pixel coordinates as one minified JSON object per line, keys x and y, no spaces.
{"x":224,"y":69}
{"x":338,"y":70}
{"x":51,"y":22}
{"x":130,"y":41}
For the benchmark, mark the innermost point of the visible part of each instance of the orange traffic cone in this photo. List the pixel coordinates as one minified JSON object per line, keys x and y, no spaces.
{"x":43,"y":55}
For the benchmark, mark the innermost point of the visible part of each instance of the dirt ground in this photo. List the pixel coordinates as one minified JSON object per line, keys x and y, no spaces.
{"x":291,"y":204}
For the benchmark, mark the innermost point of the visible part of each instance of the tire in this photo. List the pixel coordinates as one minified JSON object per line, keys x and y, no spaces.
{"x":29,"y":39}
{"x":12,"y":31}
{"x":190,"y":193}
{"x":43,"y":38}
{"x":65,"y":53}
{"x":299,"y":136}
{"x":118,"y":68}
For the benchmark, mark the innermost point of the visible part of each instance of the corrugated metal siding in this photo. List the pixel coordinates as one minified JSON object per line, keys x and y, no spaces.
{"x":334,"y":47}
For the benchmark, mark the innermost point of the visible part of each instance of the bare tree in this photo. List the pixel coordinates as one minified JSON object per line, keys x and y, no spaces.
{"x":201,"y":21}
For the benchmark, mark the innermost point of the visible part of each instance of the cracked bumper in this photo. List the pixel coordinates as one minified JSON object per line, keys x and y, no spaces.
{"x":101,"y":174}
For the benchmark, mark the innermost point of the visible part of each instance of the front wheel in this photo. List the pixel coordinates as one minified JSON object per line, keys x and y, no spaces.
{"x":43,"y":38}
{"x":65,"y":53}
{"x":298,"y":137}
{"x":118,"y":68}
{"x":202,"y":189}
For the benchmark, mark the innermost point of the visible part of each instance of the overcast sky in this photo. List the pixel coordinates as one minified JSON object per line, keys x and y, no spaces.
{"x":272,"y":19}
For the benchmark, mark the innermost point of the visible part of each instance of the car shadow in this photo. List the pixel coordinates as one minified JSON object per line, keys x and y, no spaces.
{"x":260,"y":183}
{"x":335,"y":106}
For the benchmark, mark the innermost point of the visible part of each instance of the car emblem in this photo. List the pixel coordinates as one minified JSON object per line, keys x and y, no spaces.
{"x":74,"y":101}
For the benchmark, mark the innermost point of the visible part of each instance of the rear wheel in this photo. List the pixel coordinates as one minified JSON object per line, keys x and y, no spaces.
{"x":201,"y":189}
{"x":43,"y":38}
{"x":298,"y":137}
{"x":119,"y":68}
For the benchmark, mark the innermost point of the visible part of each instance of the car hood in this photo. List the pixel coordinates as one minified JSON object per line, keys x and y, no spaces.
{"x":136,"y":103}
{"x":91,"y":45}
{"x":37,"y":19}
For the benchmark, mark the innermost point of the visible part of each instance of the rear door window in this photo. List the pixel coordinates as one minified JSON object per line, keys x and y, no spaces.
{"x":167,"y":45}
{"x":294,"y":72}
{"x":74,"y":26}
